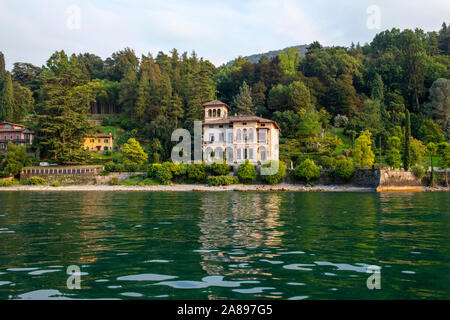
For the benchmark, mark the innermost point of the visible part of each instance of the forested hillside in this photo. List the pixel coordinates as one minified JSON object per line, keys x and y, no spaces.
{"x":322,"y":101}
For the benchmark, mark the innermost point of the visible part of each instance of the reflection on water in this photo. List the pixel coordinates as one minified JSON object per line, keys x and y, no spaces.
{"x":229,"y":245}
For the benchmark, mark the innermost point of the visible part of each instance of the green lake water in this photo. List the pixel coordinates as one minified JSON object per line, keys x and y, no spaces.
{"x":230,"y":245}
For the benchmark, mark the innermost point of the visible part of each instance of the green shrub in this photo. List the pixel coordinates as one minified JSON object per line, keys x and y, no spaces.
{"x":36,"y":181}
{"x":151,"y":171}
{"x":7,"y":183}
{"x":114,"y":181}
{"x":222,"y":180}
{"x":197,"y":172}
{"x":419,"y":171}
{"x":278,"y":176}
{"x":247,"y":172}
{"x":307,"y":170}
{"x":327,"y":162}
{"x":131,"y":166}
{"x":119,"y":167}
{"x":110,"y":166}
{"x":345,"y":168}
{"x":179,"y":169}
{"x":163,"y":173}
{"x":219,"y":169}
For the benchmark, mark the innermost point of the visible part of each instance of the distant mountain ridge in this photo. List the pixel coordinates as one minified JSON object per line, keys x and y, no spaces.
{"x":254,"y":58}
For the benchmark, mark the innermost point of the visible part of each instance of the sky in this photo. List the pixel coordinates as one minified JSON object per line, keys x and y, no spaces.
{"x":31,"y":30}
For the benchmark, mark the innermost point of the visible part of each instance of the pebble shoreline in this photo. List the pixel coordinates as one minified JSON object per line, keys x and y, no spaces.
{"x":204,"y":188}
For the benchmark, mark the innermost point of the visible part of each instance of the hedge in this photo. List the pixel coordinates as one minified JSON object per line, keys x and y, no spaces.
{"x":222,"y":180}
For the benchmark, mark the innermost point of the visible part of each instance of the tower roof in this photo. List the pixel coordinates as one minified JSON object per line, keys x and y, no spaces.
{"x":215,"y":103}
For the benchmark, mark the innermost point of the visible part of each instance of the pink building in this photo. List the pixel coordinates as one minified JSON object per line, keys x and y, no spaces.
{"x":16,"y":133}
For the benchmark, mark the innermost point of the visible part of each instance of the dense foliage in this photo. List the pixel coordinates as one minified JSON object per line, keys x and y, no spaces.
{"x":247,"y":172}
{"x":330,"y":103}
{"x":278,"y":176}
{"x":307,"y":170}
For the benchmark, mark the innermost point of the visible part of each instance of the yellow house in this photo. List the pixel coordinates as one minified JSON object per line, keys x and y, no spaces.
{"x":99,"y":143}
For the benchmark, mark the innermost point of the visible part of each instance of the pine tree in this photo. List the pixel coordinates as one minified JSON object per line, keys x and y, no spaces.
{"x":7,"y":99}
{"x":62,"y":119}
{"x":2,"y":67}
{"x":407,"y":150}
{"x":143,"y":97}
{"x":243,"y":100}
{"x":128,"y":87}
{"x":377,"y":88}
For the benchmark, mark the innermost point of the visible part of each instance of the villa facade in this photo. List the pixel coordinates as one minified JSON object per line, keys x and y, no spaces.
{"x":237,"y":138}
{"x":99,"y":143}
{"x":17,"y":134}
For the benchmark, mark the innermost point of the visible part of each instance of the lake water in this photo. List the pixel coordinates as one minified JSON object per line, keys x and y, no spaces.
{"x":231,"y":245}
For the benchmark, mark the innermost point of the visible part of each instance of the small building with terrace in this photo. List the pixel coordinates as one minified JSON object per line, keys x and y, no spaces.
{"x":51,"y":172}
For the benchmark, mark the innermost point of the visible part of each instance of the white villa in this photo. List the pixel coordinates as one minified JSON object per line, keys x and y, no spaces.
{"x":238,"y":137}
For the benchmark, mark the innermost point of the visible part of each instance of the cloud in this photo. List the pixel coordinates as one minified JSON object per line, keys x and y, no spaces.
{"x":217,"y":30}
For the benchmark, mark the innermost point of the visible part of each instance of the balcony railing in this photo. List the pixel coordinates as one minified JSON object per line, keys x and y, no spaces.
{"x":16,"y":141}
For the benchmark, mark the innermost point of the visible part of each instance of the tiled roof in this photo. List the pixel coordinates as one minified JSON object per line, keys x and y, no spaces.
{"x":12,"y":124}
{"x":215,"y":103}
{"x":100,"y":135}
{"x":232,"y":119}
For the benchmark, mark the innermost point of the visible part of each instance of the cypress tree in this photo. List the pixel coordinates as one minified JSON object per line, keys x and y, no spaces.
{"x":407,"y":150}
{"x":2,"y":66}
{"x":7,"y":99}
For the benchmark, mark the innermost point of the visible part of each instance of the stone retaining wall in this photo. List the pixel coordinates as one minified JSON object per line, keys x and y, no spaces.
{"x":398,"y":178}
{"x":121,"y":176}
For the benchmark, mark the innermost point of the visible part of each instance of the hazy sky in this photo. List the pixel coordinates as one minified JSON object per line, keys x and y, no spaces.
{"x":31,"y":30}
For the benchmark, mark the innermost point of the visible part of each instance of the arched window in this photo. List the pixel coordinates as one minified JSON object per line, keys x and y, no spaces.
{"x":239,"y":135}
{"x":218,"y":155}
{"x":245,"y":135}
{"x":229,"y":155}
{"x":209,"y":113}
{"x":218,"y":113}
{"x":251,"y":135}
{"x":208,"y":155}
{"x":214,"y":113}
{"x":263,"y":154}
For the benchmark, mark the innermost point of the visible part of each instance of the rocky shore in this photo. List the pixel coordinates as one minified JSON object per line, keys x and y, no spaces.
{"x":206,"y":188}
{"x":193,"y":187}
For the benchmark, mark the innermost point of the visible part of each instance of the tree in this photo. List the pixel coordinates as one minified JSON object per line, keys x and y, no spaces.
{"x":417,"y":151}
{"x":247,"y":172}
{"x":362,"y":152}
{"x":14,"y":161}
{"x":310,"y":125}
{"x":134,"y":153}
{"x":344,"y":168}
{"x":243,"y":100}
{"x":394,"y":158}
{"x":278,"y":98}
{"x":23,"y":102}
{"x":2,"y":66}
{"x":62,"y":119}
{"x":277,"y":177}
{"x":289,"y":60}
{"x":413,"y":57}
{"x":430,"y":132}
{"x":377,"y":92}
{"x":439,"y":104}
{"x":407,"y":147}
{"x":7,"y":99}
{"x":444,"y":151}
{"x":299,"y":96}
{"x":432,"y":148}
{"x":307,"y":170}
